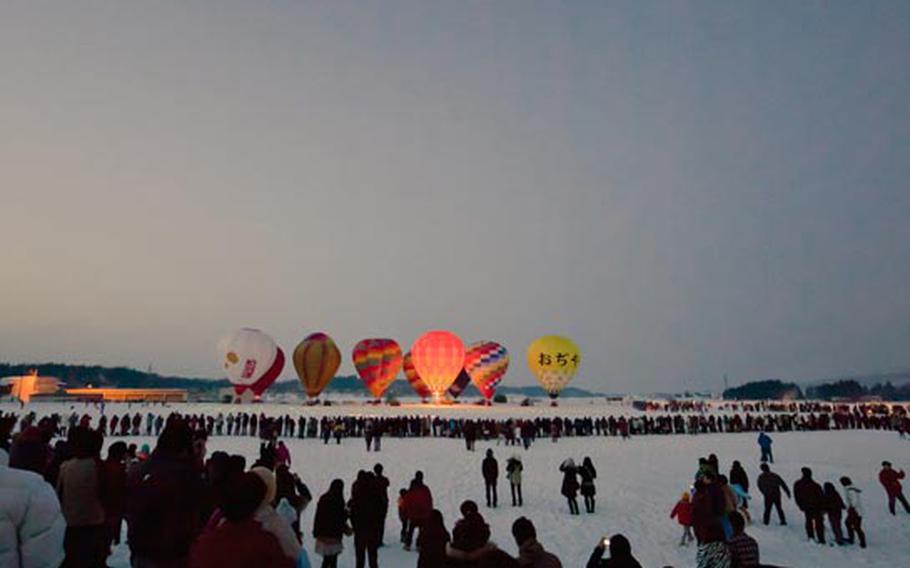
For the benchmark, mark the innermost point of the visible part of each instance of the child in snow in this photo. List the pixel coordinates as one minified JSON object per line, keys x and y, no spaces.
{"x":402,"y":515}
{"x":682,"y":511}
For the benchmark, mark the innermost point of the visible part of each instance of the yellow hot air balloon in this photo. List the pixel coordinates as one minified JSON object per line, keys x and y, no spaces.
{"x":316,"y":359}
{"x":554,"y":360}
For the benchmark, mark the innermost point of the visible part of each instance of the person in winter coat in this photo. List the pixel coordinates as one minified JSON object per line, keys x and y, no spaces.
{"x":588,"y":474}
{"x":569,"y":488}
{"x":330,"y":524}
{"x":708,"y":506}
{"x":620,"y":554}
{"x":514,"y":468}
{"x":471,"y":532}
{"x":744,"y":551}
{"x":32,"y":527}
{"x":164,"y":500}
{"x":80,"y":488}
{"x":738,"y":476}
{"x":432,"y":542}
{"x":240,"y":541}
{"x":418,"y":503}
{"x":402,"y":514}
{"x":282,"y":454}
{"x":365,"y":518}
{"x":770,"y":486}
{"x":271,"y":521}
{"x":833,"y":506}
{"x":114,"y":472}
{"x":382,"y":486}
{"x":490,"y":470}
{"x":890,"y":480}
{"x":854,"y":512}
{"x":764,"y":443}
{"x":531,"y":553}
{"x":809,"y":498}
{"x":682,"y":512}
{"x":290,"y":488}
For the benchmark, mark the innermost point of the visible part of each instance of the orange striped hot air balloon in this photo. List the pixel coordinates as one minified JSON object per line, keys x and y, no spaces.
{"x":420,"y":387}
{"x":377,"y":362}
{"x":316,"y":359}
{"x":438,"y":358}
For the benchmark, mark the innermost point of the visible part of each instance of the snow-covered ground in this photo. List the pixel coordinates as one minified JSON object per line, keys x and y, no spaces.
{"x":638,"y":482}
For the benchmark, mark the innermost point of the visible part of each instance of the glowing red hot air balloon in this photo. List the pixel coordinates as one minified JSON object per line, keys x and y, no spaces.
{"x":486,"y":362}
{"x":420,"y":387}
{"x":438,"y":357}
{"x":377,"y":362}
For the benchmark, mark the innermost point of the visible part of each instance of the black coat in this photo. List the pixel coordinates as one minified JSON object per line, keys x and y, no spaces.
{"x":331,"y":517}
{"x":808,"y":495}
{"x":587,"y":474}
{"x":569,"y":481}
{"x":490,"y":468}
{"x":366,"y":516}
{"x":770,"y":485}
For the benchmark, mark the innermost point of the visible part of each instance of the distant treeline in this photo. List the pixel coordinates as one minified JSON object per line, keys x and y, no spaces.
{"x":123,"y":377}
{"x":847,"y":389}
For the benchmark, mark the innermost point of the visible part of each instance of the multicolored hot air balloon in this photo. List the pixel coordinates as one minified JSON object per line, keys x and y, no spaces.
{"x":554,"y":360}
{"x":377,"y":362}
{"x":438,"y":358}
{"x":461,"y":381}
{"x":251,"y":359}
{"x":486,"y":362}
{"x":420,"y":387}
{"x":316,"y":359}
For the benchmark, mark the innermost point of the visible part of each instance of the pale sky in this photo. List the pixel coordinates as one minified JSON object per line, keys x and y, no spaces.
{"x":686,"y":189}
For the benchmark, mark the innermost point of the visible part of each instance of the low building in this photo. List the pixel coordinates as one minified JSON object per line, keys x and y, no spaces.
{"x":128,"y":395}
{"x":27,"y":386}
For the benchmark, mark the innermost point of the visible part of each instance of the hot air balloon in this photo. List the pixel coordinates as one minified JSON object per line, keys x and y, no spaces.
{"x":486,"y":362}
{"x":251,"y":359}
{"x":461,"y":381}
{"x":377,"y":362}
{"x":420,"y":387}
{"x":316,"y":359}
{"x":438,"y":357}
{"x":554,"y":360}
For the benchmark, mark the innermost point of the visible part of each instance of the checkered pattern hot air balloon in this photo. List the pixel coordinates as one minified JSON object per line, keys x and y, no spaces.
{"x":486,"y":362}
{"x":438,"y":357}
{"x":377,"y":362}
{"x":316,"y":359}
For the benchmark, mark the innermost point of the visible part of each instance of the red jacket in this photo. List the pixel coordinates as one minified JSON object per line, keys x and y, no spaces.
{"x":238,"y":545}
{"x":418,"y":503}
{"x":683,"y":513}
{"x":890,"y":478}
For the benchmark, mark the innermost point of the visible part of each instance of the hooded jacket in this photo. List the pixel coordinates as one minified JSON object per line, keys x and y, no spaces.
{"x":31,"y":524}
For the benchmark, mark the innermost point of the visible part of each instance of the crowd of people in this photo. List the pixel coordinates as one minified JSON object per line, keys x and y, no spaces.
{"x":510,"y":431}
{"x":715,"y":511}
{"x":184,"y":508}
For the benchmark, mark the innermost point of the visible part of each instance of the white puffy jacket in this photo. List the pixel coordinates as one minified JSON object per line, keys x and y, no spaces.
{"x":31,"y":525}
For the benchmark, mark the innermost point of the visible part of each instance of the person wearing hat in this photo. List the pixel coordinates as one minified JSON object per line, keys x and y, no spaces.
{"x":890,"y":480}
{"x":271,"y":521}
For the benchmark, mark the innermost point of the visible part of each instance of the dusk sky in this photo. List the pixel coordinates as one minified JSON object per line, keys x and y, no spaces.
{"x":686,"y":189}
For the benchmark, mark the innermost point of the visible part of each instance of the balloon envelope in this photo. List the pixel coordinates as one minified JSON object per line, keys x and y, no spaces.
{"x":438,"y":357}
{"x":486,"y":362}
{"x":316,"y":359}
{"x":461,"y":381}
{"x":420,"y":387}
{"x":554,"y":360}
{"x":270,"y":376}
{"x":377,"y":362}
{"x":246,"y":356}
